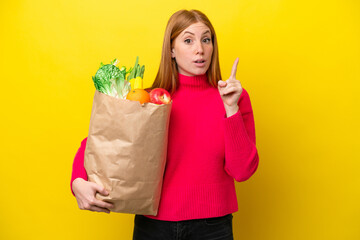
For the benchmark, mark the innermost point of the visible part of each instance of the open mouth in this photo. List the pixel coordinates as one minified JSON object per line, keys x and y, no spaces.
{"x":200,"y":61}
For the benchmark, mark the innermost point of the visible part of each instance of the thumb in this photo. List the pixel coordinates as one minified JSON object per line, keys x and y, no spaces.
{"x":221,"y":83}
{"x":100,"y":189}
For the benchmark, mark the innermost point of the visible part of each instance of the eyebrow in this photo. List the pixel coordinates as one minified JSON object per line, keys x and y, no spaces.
{"x":207,"y":31}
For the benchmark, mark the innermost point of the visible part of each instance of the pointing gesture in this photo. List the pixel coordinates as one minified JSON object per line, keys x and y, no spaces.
{"x":230,"y":91}
{"x":234,"y":69}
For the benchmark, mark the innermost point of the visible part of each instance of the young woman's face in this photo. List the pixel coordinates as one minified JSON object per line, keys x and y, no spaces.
{"x":193,"y":50}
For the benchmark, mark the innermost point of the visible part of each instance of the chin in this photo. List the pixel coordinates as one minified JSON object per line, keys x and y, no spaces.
{"x":199,"y":72}
{"x":202,"y":73}
{"x":194,"y":72}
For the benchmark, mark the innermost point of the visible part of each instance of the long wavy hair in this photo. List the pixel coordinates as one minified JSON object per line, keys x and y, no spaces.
{"x":167,"y":76}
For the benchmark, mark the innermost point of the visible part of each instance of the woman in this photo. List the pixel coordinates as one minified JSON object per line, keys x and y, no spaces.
{"x":211,"y":140}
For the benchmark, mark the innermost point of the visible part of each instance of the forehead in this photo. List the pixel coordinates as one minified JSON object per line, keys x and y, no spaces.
{"x":196,"y":28}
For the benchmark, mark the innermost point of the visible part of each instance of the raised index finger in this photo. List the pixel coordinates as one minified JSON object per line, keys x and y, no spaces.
{"x":234,"y":69}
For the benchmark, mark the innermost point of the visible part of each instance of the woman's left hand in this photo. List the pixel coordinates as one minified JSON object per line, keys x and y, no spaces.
{"x":230,"y":91}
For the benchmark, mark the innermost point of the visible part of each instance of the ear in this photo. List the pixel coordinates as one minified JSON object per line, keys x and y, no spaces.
{"x":172,"y":53}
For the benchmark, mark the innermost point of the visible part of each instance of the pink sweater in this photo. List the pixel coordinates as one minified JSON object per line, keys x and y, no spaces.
{"x":206,"y":152}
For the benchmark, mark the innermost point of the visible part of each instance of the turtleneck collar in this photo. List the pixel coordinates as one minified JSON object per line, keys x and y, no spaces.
{"x":198,"y":82}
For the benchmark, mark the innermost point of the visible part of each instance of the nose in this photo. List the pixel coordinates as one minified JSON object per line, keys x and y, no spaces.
{"x":199,"y":48}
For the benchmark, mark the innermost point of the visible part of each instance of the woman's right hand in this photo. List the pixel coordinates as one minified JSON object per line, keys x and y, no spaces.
{"x":85,"y":196}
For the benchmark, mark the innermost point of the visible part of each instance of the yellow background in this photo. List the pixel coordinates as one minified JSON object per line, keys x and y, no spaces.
{"x":299,"y":61}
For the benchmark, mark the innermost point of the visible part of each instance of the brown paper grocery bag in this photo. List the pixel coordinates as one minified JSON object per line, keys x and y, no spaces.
{"x":126,"y":152}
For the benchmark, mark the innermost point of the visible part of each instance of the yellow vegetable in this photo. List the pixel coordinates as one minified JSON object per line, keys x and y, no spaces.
{"x":132,"y":83}
{"x":138,"y":83}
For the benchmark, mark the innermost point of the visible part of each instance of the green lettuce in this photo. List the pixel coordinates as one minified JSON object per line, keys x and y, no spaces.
{"x":111,"y":80}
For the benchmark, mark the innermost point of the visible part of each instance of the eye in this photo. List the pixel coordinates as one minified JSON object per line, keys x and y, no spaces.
{"x":206,"y":40}
{"x":187,"y":40}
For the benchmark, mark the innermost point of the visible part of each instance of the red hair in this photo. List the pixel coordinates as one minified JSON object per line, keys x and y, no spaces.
{"x":167,"y":76}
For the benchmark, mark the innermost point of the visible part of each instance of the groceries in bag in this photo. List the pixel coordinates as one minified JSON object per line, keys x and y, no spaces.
{"x":127,"y":142}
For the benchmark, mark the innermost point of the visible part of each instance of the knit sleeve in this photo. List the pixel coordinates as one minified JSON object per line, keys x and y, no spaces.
{"x":78,"y":169}
{"x":241,"y":156}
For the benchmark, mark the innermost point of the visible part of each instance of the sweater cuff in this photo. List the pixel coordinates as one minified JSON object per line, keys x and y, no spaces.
{"x":235,"y":130}
{"x":78,"y":165}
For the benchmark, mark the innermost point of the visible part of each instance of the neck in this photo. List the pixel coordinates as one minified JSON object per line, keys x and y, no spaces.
{"x":198,"y":82}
